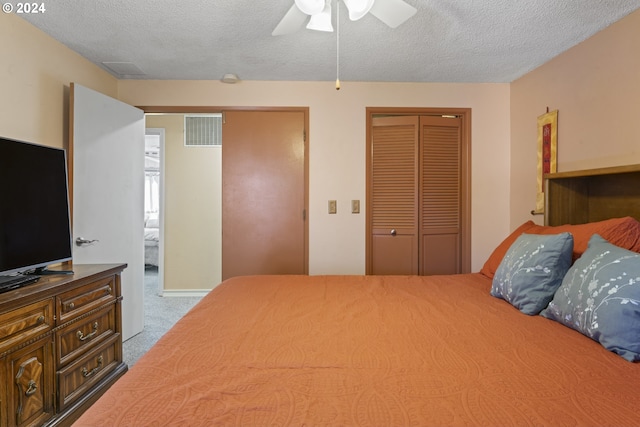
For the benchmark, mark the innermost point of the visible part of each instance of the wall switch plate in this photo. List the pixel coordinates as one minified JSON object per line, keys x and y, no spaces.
{"x":355,"y":206}
{"x":333,"y":206}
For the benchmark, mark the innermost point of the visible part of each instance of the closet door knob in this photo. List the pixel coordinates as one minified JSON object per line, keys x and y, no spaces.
{"x":393,"y":232}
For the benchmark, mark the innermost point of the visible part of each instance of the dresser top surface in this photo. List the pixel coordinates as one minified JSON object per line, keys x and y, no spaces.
{"x":50,"y":285}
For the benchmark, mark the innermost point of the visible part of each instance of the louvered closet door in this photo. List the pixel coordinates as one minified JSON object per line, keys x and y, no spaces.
{"x":440,"y":195}
{"x":394,"y":195}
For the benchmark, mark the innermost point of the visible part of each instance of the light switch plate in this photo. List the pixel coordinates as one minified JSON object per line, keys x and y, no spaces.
{"x":355,"y":206}
{"x":333,"y":206}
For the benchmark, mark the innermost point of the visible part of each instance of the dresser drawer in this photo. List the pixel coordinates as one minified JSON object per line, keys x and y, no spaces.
{"x":82,"y":374}
{"x":79,"y":337}
{"x":76,"y":302}
{"x":25,"y":323}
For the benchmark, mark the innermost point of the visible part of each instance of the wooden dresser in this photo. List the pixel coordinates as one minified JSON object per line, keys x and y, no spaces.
{"x":60,"y":345}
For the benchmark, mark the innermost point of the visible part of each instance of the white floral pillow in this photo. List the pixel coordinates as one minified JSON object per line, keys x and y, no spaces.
{"x":600,"y":297}
{"x":532,"y":270}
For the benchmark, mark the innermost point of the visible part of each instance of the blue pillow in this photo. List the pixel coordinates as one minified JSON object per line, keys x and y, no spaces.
{"x":532,"y":270}
{"x":600,"y":297}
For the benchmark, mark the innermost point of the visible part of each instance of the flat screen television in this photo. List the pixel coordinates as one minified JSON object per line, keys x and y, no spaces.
{"x":35,"y":226}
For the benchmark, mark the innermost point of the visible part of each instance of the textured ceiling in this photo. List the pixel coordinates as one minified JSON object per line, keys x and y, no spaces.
{"x":445,"y":41}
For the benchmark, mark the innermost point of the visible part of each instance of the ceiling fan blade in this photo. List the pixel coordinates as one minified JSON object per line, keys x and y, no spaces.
{"x":322,"y":21}
{"x":291,"y":22}
{"x":392,"y":12}
{"x":310,"y":7}
{"x":358,"y":8}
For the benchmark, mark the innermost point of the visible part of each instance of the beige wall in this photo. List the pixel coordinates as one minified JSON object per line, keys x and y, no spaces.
{"x":337,"y":150}
{"x":595,"y":87}
{"x":192,"y":209}
{"x":35,"y":72}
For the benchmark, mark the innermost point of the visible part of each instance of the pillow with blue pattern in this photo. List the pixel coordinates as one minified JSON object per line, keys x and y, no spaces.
{"x":532,"y":270}
{"x":600,"y":297}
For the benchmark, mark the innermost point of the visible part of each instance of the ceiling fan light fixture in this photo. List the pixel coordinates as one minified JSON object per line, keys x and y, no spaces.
{"x":310,"y":7}
{"x":322,"y":21}
{"x":358,"y":8}
{"x":391,"y":12}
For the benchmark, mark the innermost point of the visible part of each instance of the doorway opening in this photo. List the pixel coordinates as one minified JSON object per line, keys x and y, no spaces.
{"x":193,"y":239}
{"x":153,"y":204}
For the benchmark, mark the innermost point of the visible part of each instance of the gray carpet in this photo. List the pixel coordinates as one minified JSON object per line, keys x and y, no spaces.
{"x":160,"y":314}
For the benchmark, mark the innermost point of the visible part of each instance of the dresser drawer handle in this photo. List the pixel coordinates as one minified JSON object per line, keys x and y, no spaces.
{"x":82,"y":337}
{"x":109,"y":290}
{"x":40,"y":319}
{"x":71,"y":306}
{"x":33,"y":387}
{"x":87,"y":373}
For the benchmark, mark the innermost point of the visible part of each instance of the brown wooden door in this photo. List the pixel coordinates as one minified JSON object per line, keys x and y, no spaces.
{"x":394,"y":195}
{"x":263,"y":193}
{"x":416,"y":195}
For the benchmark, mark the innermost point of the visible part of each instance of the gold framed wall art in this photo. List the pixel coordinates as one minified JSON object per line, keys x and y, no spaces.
{"x":547,"y":152}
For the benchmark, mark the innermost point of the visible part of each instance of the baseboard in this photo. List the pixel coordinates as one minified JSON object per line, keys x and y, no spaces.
{"x":185,"y":292}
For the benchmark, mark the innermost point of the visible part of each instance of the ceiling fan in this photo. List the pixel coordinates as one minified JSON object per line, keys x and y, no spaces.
{"x":391,"y":12}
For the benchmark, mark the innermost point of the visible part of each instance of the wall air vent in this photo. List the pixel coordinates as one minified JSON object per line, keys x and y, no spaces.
{"x":203,"y":130}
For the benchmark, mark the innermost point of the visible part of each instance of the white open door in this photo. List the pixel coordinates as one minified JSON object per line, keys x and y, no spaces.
{"x":107,"y":145}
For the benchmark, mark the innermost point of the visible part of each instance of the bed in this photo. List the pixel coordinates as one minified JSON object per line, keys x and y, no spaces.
{"x":151,"y":241}
{"x":406,"y":350}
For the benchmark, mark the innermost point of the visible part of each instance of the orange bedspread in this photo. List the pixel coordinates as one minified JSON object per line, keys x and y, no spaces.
{"x":369,"y":351}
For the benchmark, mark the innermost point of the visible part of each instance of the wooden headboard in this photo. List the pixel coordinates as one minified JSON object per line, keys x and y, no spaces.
{"x":579,"y":197}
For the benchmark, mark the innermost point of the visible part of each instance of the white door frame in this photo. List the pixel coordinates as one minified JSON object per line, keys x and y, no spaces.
{"x":160,"y":133}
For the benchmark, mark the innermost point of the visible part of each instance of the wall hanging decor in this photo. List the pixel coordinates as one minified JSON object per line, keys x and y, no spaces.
{"x":547,"y":152}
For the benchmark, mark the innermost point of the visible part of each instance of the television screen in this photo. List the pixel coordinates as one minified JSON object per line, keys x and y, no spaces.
{"x":34,"y":207}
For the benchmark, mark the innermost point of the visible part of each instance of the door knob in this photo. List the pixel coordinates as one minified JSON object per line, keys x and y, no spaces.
{"x":393,"y":232}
